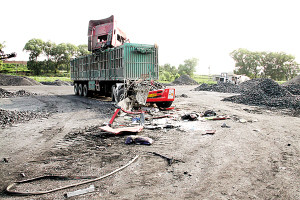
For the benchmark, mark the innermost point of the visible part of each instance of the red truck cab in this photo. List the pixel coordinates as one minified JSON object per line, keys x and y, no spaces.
{"x":104,"y":34}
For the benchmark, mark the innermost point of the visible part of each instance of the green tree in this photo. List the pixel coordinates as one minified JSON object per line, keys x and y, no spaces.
{"x":167,"y":72}
{"x":83,"y":50}
{"x":189,"y":67}
{"x":35,"y":48}
{"x":2,"y":46}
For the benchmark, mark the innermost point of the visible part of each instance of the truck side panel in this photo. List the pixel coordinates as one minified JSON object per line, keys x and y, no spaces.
{"x":129,"y":61}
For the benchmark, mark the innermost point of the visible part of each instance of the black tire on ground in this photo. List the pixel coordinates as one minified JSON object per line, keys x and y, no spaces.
{"x":80,"y":90}
{"x":120,"y":95}
{"x":76,"y":88}
{"x":85,"y":90}
{"x":165,"y":104}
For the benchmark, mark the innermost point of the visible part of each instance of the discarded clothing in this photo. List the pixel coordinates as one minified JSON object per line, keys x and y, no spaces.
{"x":209,"y":113}
{"x":190,"y":116}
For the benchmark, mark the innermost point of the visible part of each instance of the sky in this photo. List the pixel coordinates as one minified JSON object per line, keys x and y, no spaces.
{"x":205,"y":29}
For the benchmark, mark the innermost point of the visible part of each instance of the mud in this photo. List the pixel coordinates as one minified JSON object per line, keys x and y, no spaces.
{"x":256,"y":158}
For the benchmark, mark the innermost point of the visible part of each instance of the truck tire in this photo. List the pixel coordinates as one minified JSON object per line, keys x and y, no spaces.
{"x":164,"y":104}
{"x":120,"y":95}
{"x":76,"y":88}
{"x":85,"y":90}
{"x":80,"y":90}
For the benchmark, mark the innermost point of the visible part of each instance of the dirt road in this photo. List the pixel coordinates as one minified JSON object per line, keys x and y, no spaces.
{"x":257,"y":159}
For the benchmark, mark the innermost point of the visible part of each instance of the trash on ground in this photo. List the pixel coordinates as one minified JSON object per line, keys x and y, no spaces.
{"x":190,"y":116}
{"x":134,"y":129}
{"x":170,"y":161}
{"x":209,"y":113}
{"x":242,"y":121}
{"x":80,"y":192}
{"x":209,"y":132}
{"x":224,"y":125}
{"x":217,"y":118}
{"x":134,"y":139}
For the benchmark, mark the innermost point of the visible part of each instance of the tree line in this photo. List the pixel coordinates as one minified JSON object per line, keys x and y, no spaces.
{"x":260,"y":64}
{"x":170,"y":73}
{"x":56,"y":56}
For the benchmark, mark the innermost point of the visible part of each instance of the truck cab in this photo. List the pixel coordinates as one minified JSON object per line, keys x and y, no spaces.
{"x":103,"y":34}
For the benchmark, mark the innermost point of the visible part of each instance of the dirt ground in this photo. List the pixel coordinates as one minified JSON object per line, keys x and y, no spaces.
{"x":256,"y":159}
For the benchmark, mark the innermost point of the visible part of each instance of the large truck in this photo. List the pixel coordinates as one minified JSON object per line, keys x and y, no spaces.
{"x":117,"y":68}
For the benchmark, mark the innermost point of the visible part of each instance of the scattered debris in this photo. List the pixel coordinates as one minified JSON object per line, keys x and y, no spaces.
{"x":9,"y":188}
{"x":242,"y":121}
{"x":224,"y":125}
{"x":209,"y":113}
{"x":216,"y":118}
{"x":20,"y":93}
{"x":116,"y":131}
{"x":5,"y":160}
{"x":209,"y":132}
{"x":170,"y":161}
{"x":190,"y":116}
{"x":134,"y":139}
{"x":80,"y":192}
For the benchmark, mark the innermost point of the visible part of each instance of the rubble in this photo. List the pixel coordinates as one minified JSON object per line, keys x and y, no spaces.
{"x":7,"y":118}
{"x":184,"y":80}
{"x":6,"y":94}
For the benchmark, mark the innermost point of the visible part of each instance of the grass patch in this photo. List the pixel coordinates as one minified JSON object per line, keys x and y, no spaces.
{"x":204,"y":79}
{"x":49,"y":79}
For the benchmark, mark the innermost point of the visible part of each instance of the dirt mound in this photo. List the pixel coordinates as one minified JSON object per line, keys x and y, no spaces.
{"x":8,"y":118}
{"x":184,"y":80}
{"x":221,"y":87}
{"x":58,"y":83}
{"x":6,"y":94}
{"x":9,"y":80}
{"x":265,"y":92}
{"x":295,"y":80}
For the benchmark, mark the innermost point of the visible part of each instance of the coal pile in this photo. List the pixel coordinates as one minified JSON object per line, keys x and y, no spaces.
{"x":6,"y":94}
{"x":265,"y":92}
{"x":7,"y":118}
{"x":8,"y":80}
{"x":295,"y":80}
{"x":184,"y":80}
{"x":293,"y":88}
{"x":221,"y":87}
{"x":58,"y":83}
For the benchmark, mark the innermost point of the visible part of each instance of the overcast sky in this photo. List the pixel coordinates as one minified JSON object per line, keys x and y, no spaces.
{"x":208,"y":30}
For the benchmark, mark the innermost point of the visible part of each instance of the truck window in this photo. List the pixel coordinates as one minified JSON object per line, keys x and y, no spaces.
{"x":102,"y":38}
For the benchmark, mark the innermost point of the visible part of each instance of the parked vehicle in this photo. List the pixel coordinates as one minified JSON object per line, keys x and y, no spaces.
{"x":118,"y":69}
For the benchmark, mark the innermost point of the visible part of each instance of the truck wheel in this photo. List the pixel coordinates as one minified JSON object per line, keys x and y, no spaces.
{"x":85,"y":90}
{"x":164,"y":104}
{"x":76,"y":88}
{"x":80,"y":90}
{"x":120,"y":95}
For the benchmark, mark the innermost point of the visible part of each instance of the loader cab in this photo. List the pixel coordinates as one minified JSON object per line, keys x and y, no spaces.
{"x":104,"y":34}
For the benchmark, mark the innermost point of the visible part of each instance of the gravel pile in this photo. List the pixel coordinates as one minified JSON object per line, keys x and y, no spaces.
{"x":221,"y":87}
{"x":184,"y":80}
{"x":8,"y":80}
{"x":265,"y":92}
{"x":6,"y":94}
{"x":58,"y":83}
{"x":7,"y":118}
